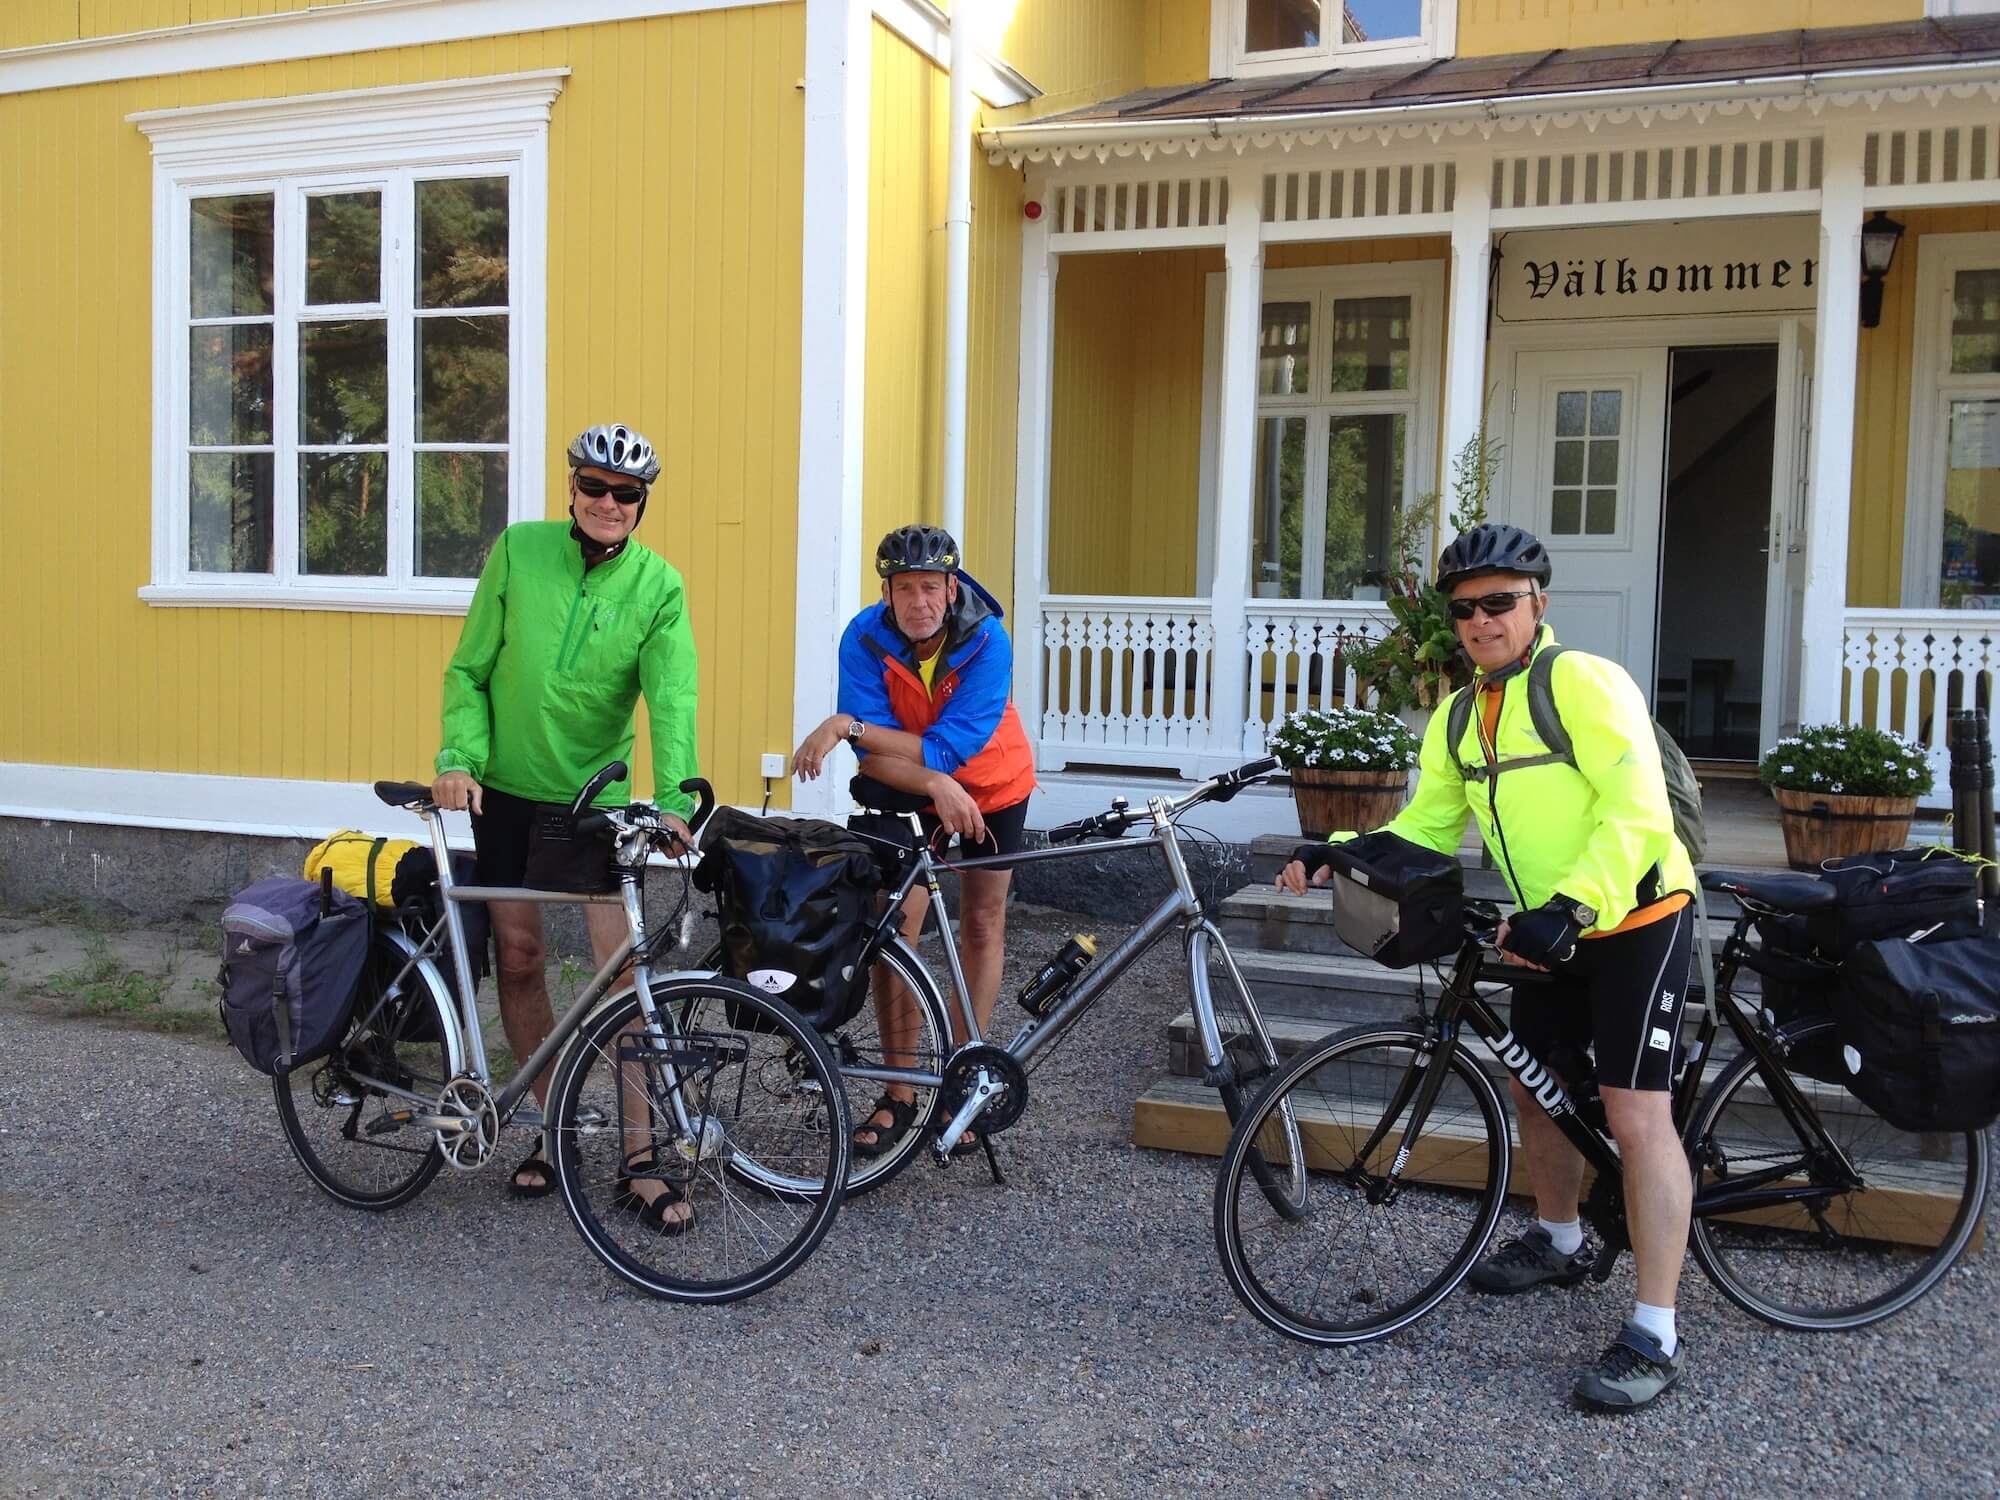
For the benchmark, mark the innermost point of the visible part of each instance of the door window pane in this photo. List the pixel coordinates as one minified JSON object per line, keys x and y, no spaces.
{"x":344,"y":382}
{"x":1272,"y":25}
{"x":1969,"y":571}
{"x":344,"y":514}
{"x":229,"y":384}
{"x":1283,"y":349}
{"x":1364,"y":487}
{"x":462,"y":378}
{"x":1371,"y":344}
{"x":461,"y":508}
{"x":229,"y":257}
{"x":1605,"y":407}
{"x":462,"y":243}
{"x":1278,"y":512}
{"x":1570,"y":407}
{"x":343,"y":248}
{"x":229,"y":513}
{"x":1586,"y":453}
{"x":1975,"y":323}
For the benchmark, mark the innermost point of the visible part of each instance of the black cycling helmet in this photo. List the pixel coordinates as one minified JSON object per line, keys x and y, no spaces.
{"x":917,"y":549}
{"x":1493,"y":548}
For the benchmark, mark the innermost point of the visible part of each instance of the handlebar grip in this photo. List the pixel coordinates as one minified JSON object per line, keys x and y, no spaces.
{"x":616,"y":771}
{"x":1229,"y":783}
{"x":593,"y":822}
{"x":1069,"y":833}
{"x":704,"y":801}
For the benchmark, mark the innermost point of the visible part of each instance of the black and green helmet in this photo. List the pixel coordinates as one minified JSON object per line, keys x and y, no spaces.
{"x":917,"y":549}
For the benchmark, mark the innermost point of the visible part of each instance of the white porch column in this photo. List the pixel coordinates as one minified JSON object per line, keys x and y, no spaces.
{"x":1838,"y":336}
{"x":1031,"y":466}
{"x":1465,"y":377}
{"x":833,"y":319}
{"x":1242,"y":316}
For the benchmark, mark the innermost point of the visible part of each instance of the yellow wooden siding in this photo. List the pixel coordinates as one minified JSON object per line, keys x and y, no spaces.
{"x":1124,"y":481}
{"x":1176,"y":41}
{"x":1074,"y":51}
{"x":1493,"y":26}
{"x":680,"y":315}
{"x":28,"y":23}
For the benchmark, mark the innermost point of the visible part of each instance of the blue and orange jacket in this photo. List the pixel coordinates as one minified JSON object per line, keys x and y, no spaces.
{"x":968,"y":723}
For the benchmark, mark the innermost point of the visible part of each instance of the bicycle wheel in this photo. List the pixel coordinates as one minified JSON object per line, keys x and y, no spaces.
{"x":905,"y":1006}
{"x":742,"y":1117}
{"x":1368,"y":1257}
{"x":400,"y":1049}
{"x":1846,"y":1258}
{"x":1276,"y":1159}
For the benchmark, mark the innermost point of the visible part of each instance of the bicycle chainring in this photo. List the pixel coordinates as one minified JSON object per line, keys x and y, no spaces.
{"x":961,"y":1073}
{"x":466,"y":1098}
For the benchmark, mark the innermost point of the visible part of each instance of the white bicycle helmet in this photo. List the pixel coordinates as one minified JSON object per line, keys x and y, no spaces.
{"x":616,"y":447}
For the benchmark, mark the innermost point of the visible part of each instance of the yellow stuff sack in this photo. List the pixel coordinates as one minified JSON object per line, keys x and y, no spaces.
{"x":362,"y":864}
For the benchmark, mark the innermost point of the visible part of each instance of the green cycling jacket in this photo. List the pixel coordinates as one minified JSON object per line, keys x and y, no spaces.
{"x":552,"y":660}
{"x":1593,"y":831}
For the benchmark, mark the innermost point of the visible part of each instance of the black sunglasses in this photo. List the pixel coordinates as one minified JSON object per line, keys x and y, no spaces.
{"x":1495,"y":605}
{"x":624,"y":494}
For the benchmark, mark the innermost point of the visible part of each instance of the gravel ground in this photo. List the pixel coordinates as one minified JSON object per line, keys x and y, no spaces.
{"x":187,"y":1314}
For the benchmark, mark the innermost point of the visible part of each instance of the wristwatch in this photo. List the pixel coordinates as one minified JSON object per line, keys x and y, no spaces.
{"x":1584,"y":916}
{"x":855,"y":729}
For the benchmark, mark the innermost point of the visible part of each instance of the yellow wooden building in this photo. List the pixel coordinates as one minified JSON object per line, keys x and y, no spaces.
{"x":299,"y":304}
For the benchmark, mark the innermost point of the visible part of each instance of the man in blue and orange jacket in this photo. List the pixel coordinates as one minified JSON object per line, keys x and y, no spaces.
{"x":925,"y":684}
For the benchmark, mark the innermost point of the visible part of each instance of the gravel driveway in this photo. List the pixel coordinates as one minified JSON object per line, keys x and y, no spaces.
{"x":187,"y":1314}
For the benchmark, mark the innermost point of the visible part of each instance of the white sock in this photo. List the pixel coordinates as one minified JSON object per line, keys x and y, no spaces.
{"x":1568,"y":1237}
{"x":1659,"y":1322}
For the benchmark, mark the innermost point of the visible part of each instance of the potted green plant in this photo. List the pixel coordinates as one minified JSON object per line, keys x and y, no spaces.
{"x":1844,"y":789}
{"x":1350,"y":767}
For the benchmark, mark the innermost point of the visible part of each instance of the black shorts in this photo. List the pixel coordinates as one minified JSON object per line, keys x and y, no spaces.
{"x":503,"y":836}
{"x":1006,"y":831}
{"x":1621,"y":996}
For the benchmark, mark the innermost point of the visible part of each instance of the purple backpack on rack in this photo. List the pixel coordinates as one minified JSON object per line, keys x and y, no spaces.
{"x":292,"y":957}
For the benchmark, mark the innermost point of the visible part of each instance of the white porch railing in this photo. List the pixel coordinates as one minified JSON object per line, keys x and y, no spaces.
{"x":1298,"y":659}
{"x":1902,"y":666}
{"x":1126,"y":681}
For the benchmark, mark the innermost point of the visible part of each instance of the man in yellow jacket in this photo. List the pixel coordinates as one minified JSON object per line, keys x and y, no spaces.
{"x":1602,"y":885}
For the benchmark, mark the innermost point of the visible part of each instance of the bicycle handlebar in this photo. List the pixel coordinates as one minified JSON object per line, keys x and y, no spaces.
{"x":1218,"y":788}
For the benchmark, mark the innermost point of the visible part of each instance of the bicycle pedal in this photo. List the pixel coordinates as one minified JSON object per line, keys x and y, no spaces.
{"x":1606,"y":1262}
{"x":394,"y":1119}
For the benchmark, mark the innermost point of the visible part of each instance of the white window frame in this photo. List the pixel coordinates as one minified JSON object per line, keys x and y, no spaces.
{"x":1227,"y":57}
{"x":1423,"y":282}
{"x":1940,"y":257}
{"x":1961,"y":7}
{"x":364,"y":139}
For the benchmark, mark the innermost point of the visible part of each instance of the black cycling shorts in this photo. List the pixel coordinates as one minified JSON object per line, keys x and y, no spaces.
{"x":1622,"y":996}
{"x":503,"y":837}
{"x":1006,"y":831}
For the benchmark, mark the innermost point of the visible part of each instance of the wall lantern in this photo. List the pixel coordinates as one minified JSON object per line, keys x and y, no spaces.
{"x":1879,"y":238}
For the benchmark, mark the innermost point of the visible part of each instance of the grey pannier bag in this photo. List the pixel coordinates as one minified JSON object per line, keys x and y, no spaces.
{"x":292,"y":956}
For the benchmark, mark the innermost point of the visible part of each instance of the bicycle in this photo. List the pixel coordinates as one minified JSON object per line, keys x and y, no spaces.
{"x":1810,"y":1212}
{"x":635,"y":1096}
{"x":982,"y":1088}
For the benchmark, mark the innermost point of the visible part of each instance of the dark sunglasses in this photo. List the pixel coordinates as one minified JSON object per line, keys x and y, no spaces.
{"x":1495,"y":605}
{"x":624,"y":494}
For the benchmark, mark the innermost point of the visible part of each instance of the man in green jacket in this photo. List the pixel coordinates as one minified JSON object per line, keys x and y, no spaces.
{"x":570,"y":624}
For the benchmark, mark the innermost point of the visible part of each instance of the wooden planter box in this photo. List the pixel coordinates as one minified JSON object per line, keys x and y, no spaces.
{"x":1826,"y":825}
{"x":1346,"y":801}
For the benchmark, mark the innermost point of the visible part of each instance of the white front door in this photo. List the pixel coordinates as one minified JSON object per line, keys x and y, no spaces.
{"x":1583,"y":459}
{"x":1785,"y":543}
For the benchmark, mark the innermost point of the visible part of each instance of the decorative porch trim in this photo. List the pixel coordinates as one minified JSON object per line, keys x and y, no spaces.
{"x":1359,"y":202}
{"x":1126,"y":679}
{"x":1898,"y":665}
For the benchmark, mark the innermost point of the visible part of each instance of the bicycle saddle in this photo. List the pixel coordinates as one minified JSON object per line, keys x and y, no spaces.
{"x":869,"y":793}
{"x":402,"y":793}
{"x":1777,"y":890}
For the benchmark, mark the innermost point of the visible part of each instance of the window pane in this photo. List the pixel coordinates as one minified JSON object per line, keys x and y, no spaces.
{"x":1605,"y":412}
{"x":1275,"y":24}
{"x":344,"y":248}
{"x":1566,"y":513}
{"x":229,"y":259}
{"x":1364,"y":488}
{"x":1381,"y":20}
{"x":1283,"y":351}
{"x":344,"y":382}
{"x":1603,"y":462}
{"x":344,"y":514}
{"x":1975,"y":323}
{"x":462,"y":373}
{"x":1569,"y":462}
{"x":1600,"y":513}
{"x":462,"y":243}
{"x":1969,"y":572}
{"x":1371,"y":344}
{"x":1278,"y":516}
{"x":229,"y":384}
{"x":1569,"y":412}
{"x":461,"y":508}
{"x":229,"y":513}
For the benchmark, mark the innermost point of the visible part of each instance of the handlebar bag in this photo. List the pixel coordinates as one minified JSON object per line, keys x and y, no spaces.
{"x":291,"y":967}
{"x":794,"y":897}
{"x":1396,"y":902}
{"x":1920,"y":1028}
{"x":564,"y":857}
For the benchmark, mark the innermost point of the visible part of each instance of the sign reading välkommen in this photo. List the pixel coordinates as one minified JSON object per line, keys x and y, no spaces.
{"x":1688,"y":267}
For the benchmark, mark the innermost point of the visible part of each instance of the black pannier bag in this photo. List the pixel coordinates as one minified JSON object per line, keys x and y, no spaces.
{"x":292,"y":956}
{"x":1794,"y":980}
{"x":1394,"y":901}
{"x":1920,"y":895}
{"x":418,"y":907}
{"x":1920,"y":1031}
{"x":795,"y":898}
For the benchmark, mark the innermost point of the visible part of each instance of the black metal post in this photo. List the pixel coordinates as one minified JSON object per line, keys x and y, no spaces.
{"x":1989,"y":874}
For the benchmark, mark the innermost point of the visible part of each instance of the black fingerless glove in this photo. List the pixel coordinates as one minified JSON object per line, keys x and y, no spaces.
{"x":1547,"y":935}
{"x":1314,"y":856}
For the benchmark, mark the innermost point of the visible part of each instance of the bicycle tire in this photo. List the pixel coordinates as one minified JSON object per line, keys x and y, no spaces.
{"x":692,"y":1088}
{"x":1247,"y":1044}
{"x":1843,"y":1268}
{"x":1357,"y":1291}
{"x":325,"y":1108}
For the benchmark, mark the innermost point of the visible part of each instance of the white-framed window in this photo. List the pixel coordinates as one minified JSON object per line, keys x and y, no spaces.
{"x":1248,"y":37}
{"x":1348,"y":362}
{"x":1951,"y":526}
{"x":348,"y":342}
{"x":1961,"y":7}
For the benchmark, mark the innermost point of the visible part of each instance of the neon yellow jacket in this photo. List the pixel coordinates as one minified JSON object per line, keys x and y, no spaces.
{"x":552,"y":660}
{"x":1592,"y":831}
